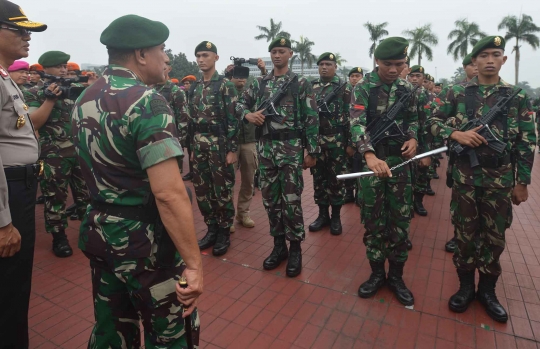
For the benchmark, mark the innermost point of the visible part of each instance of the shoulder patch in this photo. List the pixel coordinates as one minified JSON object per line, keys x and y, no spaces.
{"x":159,"y":106}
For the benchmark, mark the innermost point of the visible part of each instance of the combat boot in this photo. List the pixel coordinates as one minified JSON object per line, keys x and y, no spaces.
{"x":487,"y":297}
{"x":429,"y":191}
{"x":397,"y":285}
{"x":460,"y":301}
{"x":335,"y":222}
{"x":418,"y":204}
{"x":408,"y":243}
{"x":71,"y":210}
{"x":294,"y":264}
{"x":278,"y":254}
{"x":60,"y":245}
{"x":451,"y":245}
{"x":375,"y":282}
{"x":187,"y":177}
{"x":349,"y":196}
{"x":322,"y":220}
{"x":223,"y":242}
{"x":210,"y":238}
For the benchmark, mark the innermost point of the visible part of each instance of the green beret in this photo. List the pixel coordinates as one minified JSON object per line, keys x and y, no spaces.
{"x":439,"y":84}
{"x":392,"y":48}
{"x":279,"y":42}
{"x":327,"y":56}
{"x":467,"y":60}
{"x":427,"y":77}
{"x":488,"y":42}
{"x":356,"y":70}
{"x":132,"y":32}
{"x":206,"y":46}
{"x":431,"y":78}
{"x":53,"y":58}
{"x":417,"y":69}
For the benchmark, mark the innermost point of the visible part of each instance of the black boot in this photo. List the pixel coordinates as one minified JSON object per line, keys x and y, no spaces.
{"x":357,"y":199}
{"x":210,"y":238}
{"x":486,"y":296}
{"x":349,"y":196}
{"x":61,"y":247}
{"x":294,"y":264}
{"x":188,"y":176}
{"x":223,"y":242}
{"x":40,"y":200}
{"x":322,"y":220}
{"x":460,"y":301}
{"x":418,"y":204}
{"x":278,"y":254}
{"x":451,"y":245}
{"x":409,"y":244}
{"x":71,"y":210}
{"x":375,"y":282}
{"x":429,"y":191}
{"x":396,"y":284}
{"x":335,"y":223}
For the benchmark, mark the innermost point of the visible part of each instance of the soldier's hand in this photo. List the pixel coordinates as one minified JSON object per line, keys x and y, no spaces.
{"x":379,"y":167}
{"x":231,"y":158}
{"x":425,"y":162}
{"x":309,"y":161}
{"x":229,"y":68}
{"x":350,"y":151}
{"x":55,"y":89}
{"x":469,"y":138}
{"x":188,"y":296}
{"x":256,"y":118}
{"x":10,"y":241}
{"x":408,"y":150}
{"x":520,"y":194}
{"x":261,"y":65}
{"x":191,"y":157}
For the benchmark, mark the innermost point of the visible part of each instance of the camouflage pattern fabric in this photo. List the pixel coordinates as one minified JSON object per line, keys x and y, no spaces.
{"x":385,"y":203}
{"x":280,"y":162}
{"x":178,"y":103}
{"x":213,"y":181}
{"x":421,"y":174}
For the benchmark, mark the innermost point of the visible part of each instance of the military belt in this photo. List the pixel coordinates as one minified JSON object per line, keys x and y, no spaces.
{"x":382,"y":151}
{"x":27,"y":173}
{"x":141,"y":213}
{"x":488,"y":161}
{"x":216,"y":130}
{"x":283,"y":135}
{"x":327,"y":131}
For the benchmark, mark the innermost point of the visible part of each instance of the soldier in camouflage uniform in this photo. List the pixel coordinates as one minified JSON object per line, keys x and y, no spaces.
{"x":212,"y":103}
{"x":281,"y":151}
{"x":334,"y":141}
{"x":351,"y":195}
{"x":51,"y":115}
{"x":387,"y":197}
{"x":127,"y":143}
{"x":482,"y":196}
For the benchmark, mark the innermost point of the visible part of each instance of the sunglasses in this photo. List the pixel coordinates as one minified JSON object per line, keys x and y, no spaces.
{"x":20,"y":31}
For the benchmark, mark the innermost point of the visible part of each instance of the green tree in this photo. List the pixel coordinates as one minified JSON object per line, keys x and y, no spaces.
{"x":181,"y":66}
{"x":466,"y":34}
{"x":302,"y":52}
{"x":339,"y":60}
{"x":527,"y":88}
{"x":376,"y":33}
{"x":271,"y":33}
{"x":445,"y":81}
{"x":420,"y":40}
{"x":522,"y":29}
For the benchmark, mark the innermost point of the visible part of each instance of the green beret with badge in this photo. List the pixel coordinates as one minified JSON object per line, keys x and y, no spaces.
{"x":206,"y":46}
{"x":431,"y":78}
{"x":279,"y":42}
{"x":488,"y":42}
{"x":439,"y":84}
{"x":327,"y":56}
{"x":392,"y":48}
{"x":427,"y":77}
{"x":467,"y":60}
{"x":53,"y":58}
{"x":133,"y":32}
{"x":417,"y":69}
{"x":356,"y":70}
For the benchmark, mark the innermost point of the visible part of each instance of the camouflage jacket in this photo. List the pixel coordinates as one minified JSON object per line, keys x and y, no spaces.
{"x":306,"y":119}
{"x":121,"y":127}
{"x":424,"y":111}
{"x":450,"y":114}
{"x":387,"y":97}
{"x":205,"y":110}
{"x":178,"y":102}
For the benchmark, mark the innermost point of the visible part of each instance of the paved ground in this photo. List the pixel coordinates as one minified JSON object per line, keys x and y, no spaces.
{"x":246,"y":307}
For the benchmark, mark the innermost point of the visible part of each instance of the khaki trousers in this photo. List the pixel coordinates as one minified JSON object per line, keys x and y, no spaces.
{"x":248,"y":164}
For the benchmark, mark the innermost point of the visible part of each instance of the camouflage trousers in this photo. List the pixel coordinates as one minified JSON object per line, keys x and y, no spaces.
{"x":281,"y":181}
{"x":58,"y":173}
{"x":421,"y":178}
{"x":350,"y":184}
{"x":126,"y":292}
{"x":481,"y":217}
{"x":327,"y":190}
{"x":386,"y":214}
{"x":213,"y":182}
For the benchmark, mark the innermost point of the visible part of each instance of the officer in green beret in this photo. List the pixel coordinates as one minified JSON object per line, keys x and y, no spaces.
{"x":482,"y":195}
{"x":50,"y":110}
{"x":138,"y":231}
{"x":386,"y":197}
{"x":438,"y":88}
{"x":355,"y":75}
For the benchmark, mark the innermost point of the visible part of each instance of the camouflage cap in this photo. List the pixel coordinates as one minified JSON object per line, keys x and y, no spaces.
{"x":279,"y":42}
{"x":467,"y":60}
{"x":488,"y":42}
{"x":132,"y":32}
{"x":206,"y":46}
{"x":417,"y":69}
{"x":392,"y":48}
{"x":356,"y":70}
{"x":327,"y":56}
{"x":53,"y":58}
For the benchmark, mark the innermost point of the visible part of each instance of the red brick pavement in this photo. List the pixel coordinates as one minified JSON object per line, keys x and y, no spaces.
{"x":246,"y":307}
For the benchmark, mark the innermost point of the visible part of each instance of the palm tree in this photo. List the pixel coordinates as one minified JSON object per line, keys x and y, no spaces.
{"x":466,"y":33}
{"x":376,"y":33}
{"x":302,"y":50}
{"x":271,"y":33}
{"x":459,"y":75}
{"x":522,"y":29}
{"x":420,"y":39}
{"x":339,"y":60}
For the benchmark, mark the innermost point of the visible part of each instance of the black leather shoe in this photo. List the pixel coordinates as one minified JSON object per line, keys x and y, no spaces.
{"x":487,"y":297}
{"x":294,"y":264}
{"x":375,"y":282}
{"x":451,"y":245}
{"x":279,"y":253}
{"x":460,"y":301}
{"x":61,"y":246}
{"x":335,"y":222}
{"x":418,"y":204}
{"x":322,"y":220}
{"x":349,"y":196}
{"x":210,"y":238}
{"x":188,"y":176}
{"x":409,"y":244}
{"x":429,"y":191}
{"x":71,"y":209}
{"x":74,"y":217}
{"x":397,"y":285}
{"x":40,"y":200}
{"x":223,"y":242}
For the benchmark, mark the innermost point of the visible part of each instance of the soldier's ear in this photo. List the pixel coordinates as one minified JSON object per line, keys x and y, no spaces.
{"x":217,"y":58}
{"x":504,"y":59}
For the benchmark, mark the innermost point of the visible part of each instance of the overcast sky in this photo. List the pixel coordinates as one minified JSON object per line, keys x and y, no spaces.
{"x":75,"y":26}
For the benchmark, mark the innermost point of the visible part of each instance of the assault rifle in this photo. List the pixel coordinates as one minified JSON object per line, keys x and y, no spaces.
{"x":268,"y":106}
{"x":323,"y":103}
{"x":486,"y":120}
